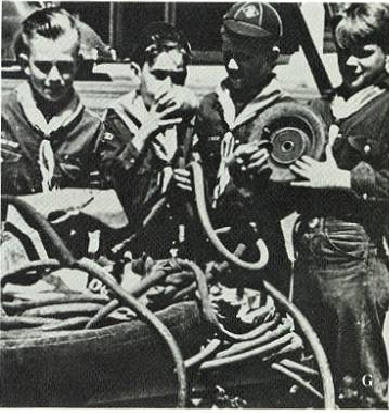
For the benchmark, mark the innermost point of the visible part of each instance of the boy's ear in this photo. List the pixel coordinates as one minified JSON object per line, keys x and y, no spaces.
{"x":387,"y":63}
{"x":23,"y":60}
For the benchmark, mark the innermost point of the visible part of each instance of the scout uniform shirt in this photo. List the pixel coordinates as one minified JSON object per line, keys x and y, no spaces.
{"x":37,"y":155}
{"x":142,"y":179}
{"x":238,"y":197}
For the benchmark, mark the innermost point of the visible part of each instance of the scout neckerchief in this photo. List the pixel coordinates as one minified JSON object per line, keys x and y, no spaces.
{"x":36,"y":119}
{"x":342,"y":109}
{"x":268,"y":95}
{"x":132,"y":111}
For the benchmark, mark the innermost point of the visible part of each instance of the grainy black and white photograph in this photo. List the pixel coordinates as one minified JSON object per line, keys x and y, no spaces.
{"x":194,"y":205}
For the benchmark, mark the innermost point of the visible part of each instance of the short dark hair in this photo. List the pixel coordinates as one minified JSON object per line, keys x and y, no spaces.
{"x":364,"y":23}
{"x":49,"y":23}
{"x":154,"y":36}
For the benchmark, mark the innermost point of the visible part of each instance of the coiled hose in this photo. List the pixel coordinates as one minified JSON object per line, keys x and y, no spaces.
{"x":145,"y":315}
{"x":65,"y":257}
{"x":317,"y":348}
{"x":201,"y":204}
{"x":50,"y":239}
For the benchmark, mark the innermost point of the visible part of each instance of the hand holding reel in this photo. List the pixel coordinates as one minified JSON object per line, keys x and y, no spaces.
{"x":290,"y":130}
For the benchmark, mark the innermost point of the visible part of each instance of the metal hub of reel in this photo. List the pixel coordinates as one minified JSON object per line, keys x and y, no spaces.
{"x":292,"y":130}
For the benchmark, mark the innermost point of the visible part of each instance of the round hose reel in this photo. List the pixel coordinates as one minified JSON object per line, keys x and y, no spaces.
{"x":292,"y":130}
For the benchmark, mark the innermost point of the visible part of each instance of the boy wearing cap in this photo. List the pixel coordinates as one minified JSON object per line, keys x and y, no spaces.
{"x":342,"y":278}
{"x":250,"y":32}
{"x":48,"y":137}
{"x":151,"y":132}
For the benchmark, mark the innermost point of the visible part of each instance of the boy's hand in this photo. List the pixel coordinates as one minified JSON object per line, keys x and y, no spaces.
{"x":322,"y":175}
{"x":182,"y":179}
{"x":250,"y":156}
{"x":180,"y":97}
{"x":154,"y":123}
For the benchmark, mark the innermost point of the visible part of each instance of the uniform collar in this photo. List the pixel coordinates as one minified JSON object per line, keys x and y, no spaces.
{"x":343,"y":105}
{"x":25,"y":97}
{"x":266,"y":96}
{"x":131,"y":110}
{"x":382,"y":82}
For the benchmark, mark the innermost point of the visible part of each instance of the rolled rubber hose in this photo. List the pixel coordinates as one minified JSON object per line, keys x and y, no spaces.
{"x":199,"y":192}
{"x":250,"y":335}
{"x":298,"y":379}
{"x":54,"y":243}
{"x":102,"y":313}
{"x":208,"y":351}
{"x":328,"y":384}
{"x":294,"y":365}
{"x":317,"y":348}
{"x":50,"y":239}
{"x":266,"y":337}
{"x":238,"y":358}
{"x":154,"y":212}
{"x":141,"y":287}
{"x":144,"y":314}
{"x":37,"y":266}
{"x":151,"y":280}
{"x":202,"y":289}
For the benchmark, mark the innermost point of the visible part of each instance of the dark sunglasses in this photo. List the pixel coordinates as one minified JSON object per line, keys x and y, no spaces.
{"x":63,"y":66}
{"x":176,"y":77}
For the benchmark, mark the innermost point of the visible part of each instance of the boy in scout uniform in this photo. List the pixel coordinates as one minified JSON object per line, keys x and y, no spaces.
{"x":237,"y":190}
{"x":48,"y":136}
{"x":150,"y":137}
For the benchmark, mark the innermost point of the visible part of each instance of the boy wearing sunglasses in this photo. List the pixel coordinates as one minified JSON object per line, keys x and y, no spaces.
{"x":250,"y":34}
{"x":48,"y":136}
{"x":151,"y":130}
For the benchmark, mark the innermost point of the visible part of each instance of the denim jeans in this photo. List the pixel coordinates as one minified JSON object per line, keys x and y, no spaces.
{"x":342,"y":286}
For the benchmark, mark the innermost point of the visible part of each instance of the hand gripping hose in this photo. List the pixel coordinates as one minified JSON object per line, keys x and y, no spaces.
{"x":54,"y":243}
{"x":201,"y":204}
{"x":199,"y":190}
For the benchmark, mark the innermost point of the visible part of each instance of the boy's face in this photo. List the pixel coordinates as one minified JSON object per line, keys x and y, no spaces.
{"x":247,"y":65}
{"x":161,"y":73}
{"x":361,"y":65}
{"x":52,"y":66}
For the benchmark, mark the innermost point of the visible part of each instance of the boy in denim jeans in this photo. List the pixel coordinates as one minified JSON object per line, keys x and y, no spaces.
{"x":342,"y":277}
